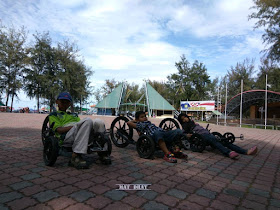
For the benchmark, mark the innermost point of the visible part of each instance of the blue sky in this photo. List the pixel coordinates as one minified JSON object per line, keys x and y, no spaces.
{"x":134,"y":40}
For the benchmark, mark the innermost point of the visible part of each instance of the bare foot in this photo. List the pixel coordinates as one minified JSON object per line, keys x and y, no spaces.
{"x":252,"y":151}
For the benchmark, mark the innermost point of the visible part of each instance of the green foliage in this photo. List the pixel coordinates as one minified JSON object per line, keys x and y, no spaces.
{"x":163,"y":89}
{"x":213,"y":87}
{"x":200,"y":81}
{"x":190,"y":83}
{"x":242,"y":71}
{"x":72,"y":73}
{"x":55,"y":69}
{"x":272,"y":71}
{"x":106,"y":89}
{"x":40,"y":58}
{"x":268,"y":15}
{"x":12,"y":61}
{"x":134,"y":93}
{"x":43,"y":70}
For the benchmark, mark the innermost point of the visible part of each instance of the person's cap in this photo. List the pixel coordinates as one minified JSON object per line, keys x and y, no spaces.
{"x":64,"y":95}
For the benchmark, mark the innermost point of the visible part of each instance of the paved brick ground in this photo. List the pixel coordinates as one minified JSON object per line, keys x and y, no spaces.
{"x":207,"y":181}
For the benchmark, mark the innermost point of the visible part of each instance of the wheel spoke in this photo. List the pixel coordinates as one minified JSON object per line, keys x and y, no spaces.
{"x":124,"y":126}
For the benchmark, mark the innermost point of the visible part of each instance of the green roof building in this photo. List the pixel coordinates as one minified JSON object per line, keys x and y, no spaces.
{"x":155,"y":103}
{"x":111,"y":102}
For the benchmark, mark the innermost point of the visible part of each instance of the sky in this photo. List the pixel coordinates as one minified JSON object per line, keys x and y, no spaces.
{"x":134,"y":40}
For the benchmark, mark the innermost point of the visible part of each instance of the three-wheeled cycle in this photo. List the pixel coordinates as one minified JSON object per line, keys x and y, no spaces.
{"x":122,"y":135}
{"x":101,"y":144}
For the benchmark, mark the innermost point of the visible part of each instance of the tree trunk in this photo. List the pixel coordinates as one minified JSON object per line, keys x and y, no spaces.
{"x":38,"y":98}
{"x":38,"y":102}
{"x":12,"y":101}
{"x":13,"y":93}
{"x":51,"y":104}
{"x":8,"y":95}
{"x":81,"y":105}
{"x":72,"y":107}
{"x":8,"y":87}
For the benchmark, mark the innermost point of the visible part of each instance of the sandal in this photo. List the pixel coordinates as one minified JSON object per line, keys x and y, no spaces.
{"x":170,"y":158}
{"x":105,"y":160}
{"x":78,"y":162}
{"x":233,"y":155}
{"x":180,"y":155}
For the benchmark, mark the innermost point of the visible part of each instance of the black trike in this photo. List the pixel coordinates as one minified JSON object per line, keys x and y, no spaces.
{"x":101,"y":144}
{"x":196,"y":142}
{"x":122,"y":135}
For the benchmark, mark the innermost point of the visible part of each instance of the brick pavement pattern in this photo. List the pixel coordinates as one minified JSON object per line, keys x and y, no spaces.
{"x":207,"y":181}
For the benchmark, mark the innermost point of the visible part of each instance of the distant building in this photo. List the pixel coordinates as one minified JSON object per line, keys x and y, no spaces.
{"x":154,"y":104}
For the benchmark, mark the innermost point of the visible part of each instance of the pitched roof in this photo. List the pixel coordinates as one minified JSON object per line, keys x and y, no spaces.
{"x":217,"y":112}
{"x":113,"y":99}
{"x":155,"y":100}
{"x":249,"y":98}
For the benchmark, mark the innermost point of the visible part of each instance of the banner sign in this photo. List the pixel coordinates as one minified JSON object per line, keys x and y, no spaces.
{"x":197,"y":105}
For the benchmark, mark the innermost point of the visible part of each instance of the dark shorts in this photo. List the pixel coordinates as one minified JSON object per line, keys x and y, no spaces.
{"x":166,"y":136}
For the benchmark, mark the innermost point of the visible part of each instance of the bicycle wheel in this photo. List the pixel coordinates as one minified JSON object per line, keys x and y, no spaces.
{"x":120,"y":132}
{"x":169,"y":124}
{"x":45,"y":130}
{"x":50,"y":152}
{"x":145,"y":146}
{"x":229,"y":137}
{"x":197,"y":143}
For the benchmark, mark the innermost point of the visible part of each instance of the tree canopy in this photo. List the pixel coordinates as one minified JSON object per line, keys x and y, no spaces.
{"x":12,"y":61}
{"x":272,"y":71}
{"x":241,"y":71}
{"x":105,"y":89}
{"x":268,"y":16}
{"x":190,"y":83}
{"x":41,"y":69}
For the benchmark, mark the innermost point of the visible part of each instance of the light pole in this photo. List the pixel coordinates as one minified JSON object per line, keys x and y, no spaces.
{"x":226,"y":107}
{"x":218,"y":105}
{"x":241,"y":102}
{"x":265,"y":115}
{"x":105,"y":106}
{"x":81,"y":105}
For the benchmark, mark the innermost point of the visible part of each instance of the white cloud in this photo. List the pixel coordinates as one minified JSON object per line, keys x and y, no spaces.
{"x":114,"y":61}
{"x":136,"y":40}
{"x":255,"y":42}
{"x":67,"y":3}
{"x":221,"y":18}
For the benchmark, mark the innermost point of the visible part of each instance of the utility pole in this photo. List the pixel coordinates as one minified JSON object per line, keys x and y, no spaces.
{"x":265,"y":115}
{"x":226,"y":107}
{"x":241,"y":103}
{"x":218,"y":105}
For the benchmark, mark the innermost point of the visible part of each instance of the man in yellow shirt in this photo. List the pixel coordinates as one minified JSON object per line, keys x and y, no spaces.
{"x":75,"y":133}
